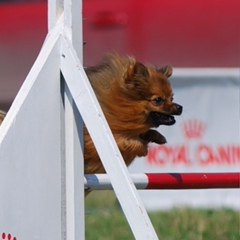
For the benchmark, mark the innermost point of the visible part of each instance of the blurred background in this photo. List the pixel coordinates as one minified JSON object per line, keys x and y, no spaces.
{"x":201,"y":40}
{"x":181,"y":33}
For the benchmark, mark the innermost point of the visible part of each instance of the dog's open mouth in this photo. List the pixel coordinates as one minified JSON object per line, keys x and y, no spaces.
{"x":158,"y":118}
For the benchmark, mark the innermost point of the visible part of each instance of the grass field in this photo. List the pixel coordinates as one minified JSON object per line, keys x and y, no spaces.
{"x":105,"y":221}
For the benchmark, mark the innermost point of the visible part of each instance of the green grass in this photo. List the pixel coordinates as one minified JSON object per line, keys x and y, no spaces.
{"x":105,"y":221}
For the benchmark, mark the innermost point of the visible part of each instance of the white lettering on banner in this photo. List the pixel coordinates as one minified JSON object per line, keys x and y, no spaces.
{"x":193,"y":152}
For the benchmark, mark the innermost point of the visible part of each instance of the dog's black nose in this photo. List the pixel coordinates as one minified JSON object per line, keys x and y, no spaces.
{"x":179,"y":109}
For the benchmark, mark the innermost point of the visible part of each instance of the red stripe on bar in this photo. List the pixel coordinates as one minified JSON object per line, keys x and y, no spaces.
{"x":193,"y":180}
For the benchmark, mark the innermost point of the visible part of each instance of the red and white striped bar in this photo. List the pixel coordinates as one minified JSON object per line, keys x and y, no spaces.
{"x":169,"y":181}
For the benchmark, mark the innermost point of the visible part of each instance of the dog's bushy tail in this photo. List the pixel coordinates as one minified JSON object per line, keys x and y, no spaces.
{"x":2,"y":116}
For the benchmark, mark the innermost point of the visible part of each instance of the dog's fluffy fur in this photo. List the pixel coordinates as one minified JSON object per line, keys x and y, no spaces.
{"x":134,"y":98}
{"x":2,"y":116}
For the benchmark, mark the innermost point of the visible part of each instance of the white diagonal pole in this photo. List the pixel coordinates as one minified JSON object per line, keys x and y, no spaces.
{"x":100,"y":132}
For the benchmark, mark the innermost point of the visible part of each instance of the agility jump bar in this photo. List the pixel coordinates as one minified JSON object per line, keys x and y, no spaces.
{"x":168,"y":181}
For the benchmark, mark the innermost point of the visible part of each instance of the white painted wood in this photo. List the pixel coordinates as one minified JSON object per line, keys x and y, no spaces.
{"x":75,"y":213}
{"x":55,"y":10}
{"x":95,"y":121}
{"x":73,"y":24}
{"x":30,"y":153}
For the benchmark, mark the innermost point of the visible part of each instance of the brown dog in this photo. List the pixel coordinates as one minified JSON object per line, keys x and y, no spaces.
{"x":134,"y":99}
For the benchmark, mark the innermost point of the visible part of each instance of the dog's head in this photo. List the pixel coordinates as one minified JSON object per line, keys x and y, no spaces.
{"x":151,"y":87}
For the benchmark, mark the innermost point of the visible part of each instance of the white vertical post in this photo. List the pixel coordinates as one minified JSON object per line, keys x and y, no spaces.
{"x":75,"y":227}
{"x":73,"y":24}
{"x":72,"y":168}
{"x":55,"y":9}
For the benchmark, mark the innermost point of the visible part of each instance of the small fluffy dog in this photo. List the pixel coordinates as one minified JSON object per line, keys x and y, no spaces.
{"x":134,"y":98}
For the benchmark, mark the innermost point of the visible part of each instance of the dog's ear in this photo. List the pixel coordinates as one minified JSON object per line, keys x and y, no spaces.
{"x":166,"y":70}
{"x":140,"y":70}
{"x":136,"y":74}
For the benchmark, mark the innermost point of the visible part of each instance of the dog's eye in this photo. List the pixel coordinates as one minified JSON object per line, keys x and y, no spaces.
{"x":158,"y":101}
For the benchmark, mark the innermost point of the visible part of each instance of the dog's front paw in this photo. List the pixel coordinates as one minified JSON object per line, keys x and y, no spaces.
{"x":153,"y":136}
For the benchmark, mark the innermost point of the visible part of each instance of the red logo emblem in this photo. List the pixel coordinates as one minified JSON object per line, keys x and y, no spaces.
{"x":193,"y":128}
